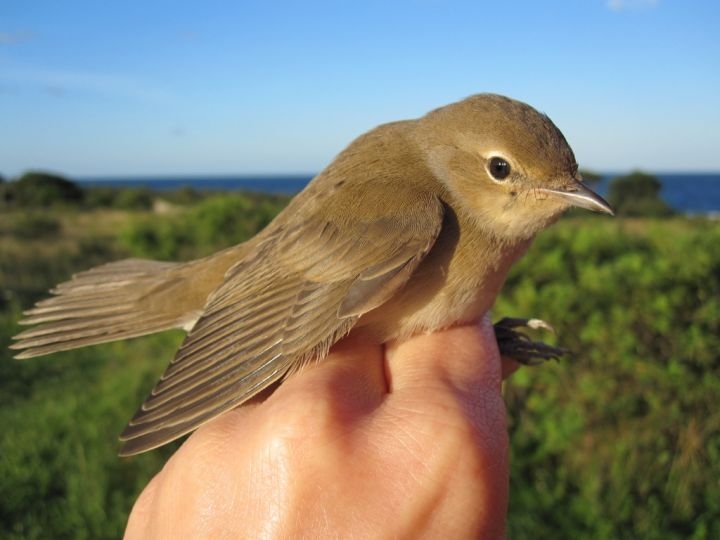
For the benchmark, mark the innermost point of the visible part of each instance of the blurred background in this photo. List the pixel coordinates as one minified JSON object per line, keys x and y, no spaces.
{"x":170,"y":130}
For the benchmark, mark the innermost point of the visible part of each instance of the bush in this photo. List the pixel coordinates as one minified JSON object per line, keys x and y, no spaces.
{"x":590,"y":177}
{"x":100,"y":197}
{"x":34,"y":226}
{"x":61,"y":474}
{"x":40,"y":189}
{"x":135,"y":198}
{"x":217,"y":222}
{"x":638,"y":194}
{"x":619,"y":441}
{"x":185,"y":195}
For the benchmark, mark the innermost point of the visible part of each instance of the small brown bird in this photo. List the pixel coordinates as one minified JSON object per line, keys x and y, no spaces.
{"x":412,"y":228}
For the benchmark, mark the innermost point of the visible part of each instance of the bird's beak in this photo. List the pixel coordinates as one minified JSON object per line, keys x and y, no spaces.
{"x":579,"y":195}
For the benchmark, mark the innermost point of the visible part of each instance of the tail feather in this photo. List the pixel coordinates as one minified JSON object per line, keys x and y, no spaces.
{"x":114,"y":275}
{"x":65,"y":342}
{"x":70,"y":310}
{"x":114,"y":301}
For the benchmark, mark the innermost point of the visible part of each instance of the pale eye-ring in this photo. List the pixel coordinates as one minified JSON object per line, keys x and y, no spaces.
{"x":499,"y":168}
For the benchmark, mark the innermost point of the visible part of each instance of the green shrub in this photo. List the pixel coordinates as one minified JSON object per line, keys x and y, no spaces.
{"x":40,"y":189}
{"x":61,"y":476}
{"x":637,"y":194}
{"x":590,"y":177}
{"x":100,"y":197}
{"x":618,"y":441}
{"x":217,"y":222}
{"x":31,"y":226}
{"x":184,"y":195}
{"x":135,"y":198}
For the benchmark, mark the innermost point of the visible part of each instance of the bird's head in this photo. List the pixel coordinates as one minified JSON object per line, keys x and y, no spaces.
{"x":504,"y":163}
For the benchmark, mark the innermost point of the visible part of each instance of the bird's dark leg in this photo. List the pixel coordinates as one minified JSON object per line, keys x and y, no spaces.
{"x":518,"y":345}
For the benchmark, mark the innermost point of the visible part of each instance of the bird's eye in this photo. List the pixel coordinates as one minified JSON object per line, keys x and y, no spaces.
{"x":499,"y":168}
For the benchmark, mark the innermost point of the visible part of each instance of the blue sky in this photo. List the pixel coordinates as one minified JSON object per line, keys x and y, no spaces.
{"x":93,"y":88}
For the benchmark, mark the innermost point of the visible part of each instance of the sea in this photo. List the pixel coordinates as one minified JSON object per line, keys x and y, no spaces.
{"x":689,"y":193}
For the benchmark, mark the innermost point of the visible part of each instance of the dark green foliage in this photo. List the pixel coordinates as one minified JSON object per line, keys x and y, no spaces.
{"x":134,"y":199}
{"x":100,"y":197}
{"x":590,"y":177}
{"x":122,"y":199}
{"x":216,"y":222}
{"x":637,"y":194}
{"x":45,"y":190}
{"x":32,"y":226}
{"x":184,"y":195}
{"x":27,"y":272}
{"x":40,"y":189}
{"x":622,"y":441}
{"x":61,"y":416}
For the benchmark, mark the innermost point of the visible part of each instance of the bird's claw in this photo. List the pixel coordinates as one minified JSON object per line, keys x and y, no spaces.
{"x":519,"y":346}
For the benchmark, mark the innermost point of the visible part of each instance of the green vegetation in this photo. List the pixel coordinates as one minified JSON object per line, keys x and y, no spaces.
{"x":214,"y":223}
{"x":590,"y":177}
{"x":40,"y":189}
{"x":638,"y":194}
{"x":34,"y":225}
{"x":61,"y":477}
{"x":621,"y":441}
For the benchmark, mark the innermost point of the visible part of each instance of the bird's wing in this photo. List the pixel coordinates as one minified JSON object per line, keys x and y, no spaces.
{"x":304,"y":289}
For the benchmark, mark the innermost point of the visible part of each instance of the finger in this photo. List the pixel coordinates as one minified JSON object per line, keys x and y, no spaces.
{"x":462,"y":356}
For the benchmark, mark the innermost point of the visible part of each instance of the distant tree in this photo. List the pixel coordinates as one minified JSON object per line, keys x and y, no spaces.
{"x":590,"y":177}
{"x":638,"y":194}
{"x":140,"y":198}
{"x":41,"y":189}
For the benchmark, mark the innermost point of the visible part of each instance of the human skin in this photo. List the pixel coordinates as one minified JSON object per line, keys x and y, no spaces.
{"x":406,"y":440}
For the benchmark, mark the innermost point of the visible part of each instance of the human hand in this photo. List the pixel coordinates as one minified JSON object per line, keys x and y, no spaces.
{"x":404,"y":441}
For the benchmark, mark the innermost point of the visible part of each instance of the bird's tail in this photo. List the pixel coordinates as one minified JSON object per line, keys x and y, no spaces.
{"x":123,"y":299}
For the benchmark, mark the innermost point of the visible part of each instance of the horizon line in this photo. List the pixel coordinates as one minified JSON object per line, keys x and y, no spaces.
{"x":303,"y":174}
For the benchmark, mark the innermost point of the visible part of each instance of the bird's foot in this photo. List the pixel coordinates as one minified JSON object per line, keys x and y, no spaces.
{"x":519,"y":346}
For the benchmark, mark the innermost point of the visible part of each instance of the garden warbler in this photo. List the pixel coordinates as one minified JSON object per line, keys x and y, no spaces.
{"x":411,"y":228}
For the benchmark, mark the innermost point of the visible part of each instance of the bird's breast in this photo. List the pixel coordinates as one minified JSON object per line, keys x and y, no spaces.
{"x":457,"y":282}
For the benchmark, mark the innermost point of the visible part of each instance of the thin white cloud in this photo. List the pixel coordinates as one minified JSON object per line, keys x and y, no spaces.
{"x":15,"y":38}
{"x":65,"y":82}
{"x":626,"y":5}
{"x":188,"y":36}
